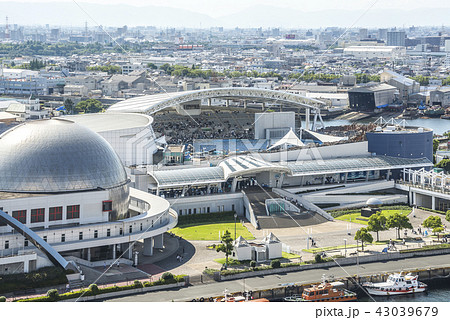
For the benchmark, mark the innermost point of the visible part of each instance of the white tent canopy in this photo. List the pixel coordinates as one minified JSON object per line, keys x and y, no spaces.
{"x":289,"y":139}
{"x":325,"y":137}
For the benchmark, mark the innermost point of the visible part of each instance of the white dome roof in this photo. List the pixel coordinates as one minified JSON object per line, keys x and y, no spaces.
{"x":374,"y":202}
{"x":47,"y":156}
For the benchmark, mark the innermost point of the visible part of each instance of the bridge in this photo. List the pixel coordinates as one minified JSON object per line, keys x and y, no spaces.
{"x":151,"y":104}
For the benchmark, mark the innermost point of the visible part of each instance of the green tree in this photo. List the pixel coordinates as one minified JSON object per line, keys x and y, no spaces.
{"x":167,"y":68}
{"x":152,"y":66}
{"x":433,"y":222}
{"x":399,"y":222}
{"x":444,"y":164}
{"x":69,"y":106}
{"x":376,"y":223}
{"x":438,"y":230}
{"x":435,"y":145}
{"x":89,"y":106}
{"x":110,"y":69}
{"x":226,"y":246}
{"x":447,"y":216}
{"x":363,"y":235}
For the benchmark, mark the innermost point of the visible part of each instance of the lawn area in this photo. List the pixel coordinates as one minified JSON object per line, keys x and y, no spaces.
{"x":211,"y":231}
{"x":353,"y":216}
{"x":231,"y":262}
{"x":289,"y":255}
{"x":316,"y":250}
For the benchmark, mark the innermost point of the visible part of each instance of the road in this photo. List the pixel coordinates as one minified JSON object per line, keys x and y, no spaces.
{"x":277,"y":280}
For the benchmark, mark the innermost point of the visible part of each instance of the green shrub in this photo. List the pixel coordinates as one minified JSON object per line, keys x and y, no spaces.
{"x":186,"y":220}
{"x":275,"y":263}
{"x":318,"y":258}
{"x":166,"y":276}
{"x":44,"y":277}
{"x":431,"y":210}
{"x":2,"y":299}
{"x":210,"y":271}
{"x":252,"y":264}
{"x":53,"y":294}
{"x":94,"y":288}
{"x":180,"y":278}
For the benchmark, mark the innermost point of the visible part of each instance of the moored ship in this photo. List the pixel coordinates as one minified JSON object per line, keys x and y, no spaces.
{"x":324,"y":292}
{"x":396,"y":284}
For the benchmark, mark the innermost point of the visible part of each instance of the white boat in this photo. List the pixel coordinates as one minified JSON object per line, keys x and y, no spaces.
{"x":396,"y":284}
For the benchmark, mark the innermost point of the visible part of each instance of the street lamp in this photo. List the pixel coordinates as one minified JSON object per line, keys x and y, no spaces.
{"x":235,"y":216}
{"x":345,"y":246}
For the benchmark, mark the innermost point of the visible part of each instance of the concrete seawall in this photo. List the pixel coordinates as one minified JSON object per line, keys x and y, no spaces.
{"x":341,"y":261}
{"x":351,"y":283}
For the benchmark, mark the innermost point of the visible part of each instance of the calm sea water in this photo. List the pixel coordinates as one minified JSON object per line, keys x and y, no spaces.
{"x":439,"y":126}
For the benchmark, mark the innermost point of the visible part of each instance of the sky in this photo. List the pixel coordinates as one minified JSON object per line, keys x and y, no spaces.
{"x":218,"y":8}
{"x":228,"y":13}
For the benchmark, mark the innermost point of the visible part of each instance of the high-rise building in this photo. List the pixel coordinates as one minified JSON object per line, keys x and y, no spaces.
{"x":396,"y":38}
{"x":447,"y":46}
{"x":382,"y":34}
{"x":363,"y":34}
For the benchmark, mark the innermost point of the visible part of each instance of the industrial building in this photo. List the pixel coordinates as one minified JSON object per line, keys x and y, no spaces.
{"x":371,"y":96}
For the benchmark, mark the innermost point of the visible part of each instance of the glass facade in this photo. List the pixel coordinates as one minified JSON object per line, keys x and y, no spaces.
{"x":20,"y":215}
{"x":73,"y":212}
{"x":55,"y":213}
{"x":37,"y":215}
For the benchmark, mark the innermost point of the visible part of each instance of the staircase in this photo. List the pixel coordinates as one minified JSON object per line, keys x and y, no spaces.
{"x":284,"y":219}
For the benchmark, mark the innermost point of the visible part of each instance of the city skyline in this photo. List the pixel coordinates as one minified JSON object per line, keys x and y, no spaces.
{"x":251,"y":13}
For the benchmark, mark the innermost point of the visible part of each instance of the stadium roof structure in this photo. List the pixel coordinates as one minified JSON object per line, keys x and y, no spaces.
{"x":241,"y":165}
{"x":100,"y":122}
{"x":289,"y":139}
{"x":325,"y":137}
{"x":247,"y":165}
{"x":151,"y":104}
{"x":330,"y":166}
{"x":190,"y":176}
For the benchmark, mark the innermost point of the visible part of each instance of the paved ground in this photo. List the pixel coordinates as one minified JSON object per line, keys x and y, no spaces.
{"x":278,"y":280}
{"x":196,"y":256}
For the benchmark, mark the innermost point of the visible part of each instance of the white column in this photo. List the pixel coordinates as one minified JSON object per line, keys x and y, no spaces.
{"x":233,"y":185}
{"x":307,"y":116}
{"x":433,"y":203}
{"x":114,"y":251}
{"x":148,"y":247}
{"x":130,"y":251}
{"x":89,"y":254}
{"x":245,"y":104}
{"x":26,"y":266}
{"x":159,"y":241}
